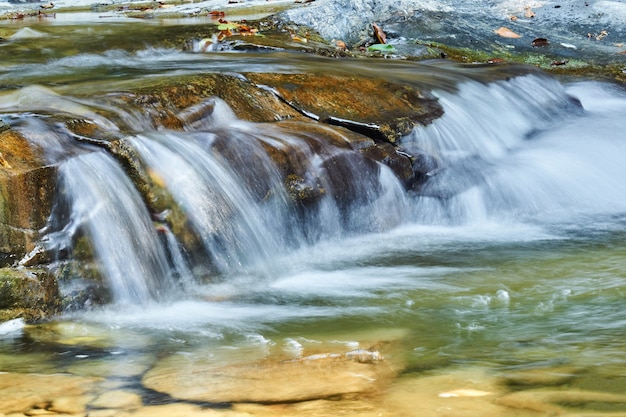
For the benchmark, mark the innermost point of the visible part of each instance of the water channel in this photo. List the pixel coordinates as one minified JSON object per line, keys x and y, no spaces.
{"x":496,"y":290}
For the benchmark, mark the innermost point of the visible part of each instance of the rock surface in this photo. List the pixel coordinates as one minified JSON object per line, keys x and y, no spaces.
{"x":20,"y":393}
{"x":291,"y":380}
{"x":26,"y":188}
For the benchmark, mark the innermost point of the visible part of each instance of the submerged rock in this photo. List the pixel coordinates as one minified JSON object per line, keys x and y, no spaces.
{"x":315,"y":377}
{"x":20,"y":393}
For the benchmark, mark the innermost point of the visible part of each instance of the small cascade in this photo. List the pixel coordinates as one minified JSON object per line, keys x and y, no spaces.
{"x":517,"y":149}
{"x":234,"y":199}
{"x":113,"y":217}
{"x":222,"y":214}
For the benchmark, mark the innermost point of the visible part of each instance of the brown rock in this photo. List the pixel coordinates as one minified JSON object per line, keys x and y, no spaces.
{"x":26,"y":189}
{"x":24,"y":392}
{"x":266,"y":382}
{"x":377,"y":108}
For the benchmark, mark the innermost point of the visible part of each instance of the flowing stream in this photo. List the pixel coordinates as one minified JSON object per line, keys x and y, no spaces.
{"x":509,"y":261}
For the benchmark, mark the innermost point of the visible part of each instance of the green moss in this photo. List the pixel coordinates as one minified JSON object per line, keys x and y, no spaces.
{"x":551,"y":64}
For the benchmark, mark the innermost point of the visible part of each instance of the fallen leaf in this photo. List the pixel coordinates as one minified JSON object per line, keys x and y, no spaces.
{"x":507,"y":33}
{"x":495,"y":61}
{"x":341,"y":45}
{"x":558,"y":63}
{"x":528,"y":12}
{"x":379,"y":47}
{"x":602,"y":35}
{"x":379,"y":34}
{"x":227,"y":26}
{"x":539,"y":42}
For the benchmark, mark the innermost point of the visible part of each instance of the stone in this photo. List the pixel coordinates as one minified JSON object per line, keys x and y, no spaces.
{"x":382,"y":109}
{"x":26,"y":188}
{"x":70,"y":405}
{"x":117,"y":399}
{"x":28,"y":293}
{"x":266,"y":381}
{"x":179,"y":410}
{"x":24,"y":392}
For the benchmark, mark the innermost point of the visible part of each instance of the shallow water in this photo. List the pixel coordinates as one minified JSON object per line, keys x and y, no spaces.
{"x":513,"y":283}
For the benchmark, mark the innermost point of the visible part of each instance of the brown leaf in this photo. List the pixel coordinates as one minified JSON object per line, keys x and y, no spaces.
{"x":379,"y":34}
{"x":507,"y":33}
{"x":603,"y":34}
{"x":528,"y":12}
{"x":558,"y":63}
{"x":539,"y":42}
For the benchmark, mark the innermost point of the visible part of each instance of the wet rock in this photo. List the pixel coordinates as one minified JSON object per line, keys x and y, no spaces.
{"x":30,"y":294}
{"x":26,"y":189}
{"x":117,"y":399}
{"x":350,"y":179}
{"x":20,"y":393}
{"x":557,"y":402}
{"x":314,"y":377}
{"x":541,"y":376}
{"x":374,"y":107}
{"x":466,"y":392}
{"x":388,"y":155}
{"x":246,"y":100}
{"x":178,"y":410}
{"x":70,"y":405}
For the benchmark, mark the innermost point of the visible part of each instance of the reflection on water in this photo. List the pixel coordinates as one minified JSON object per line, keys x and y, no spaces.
{"x":503,"y":298}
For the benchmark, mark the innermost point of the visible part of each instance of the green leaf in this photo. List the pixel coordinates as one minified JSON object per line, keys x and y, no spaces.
{"x":381,"y":47}
{"x":227,"y":26}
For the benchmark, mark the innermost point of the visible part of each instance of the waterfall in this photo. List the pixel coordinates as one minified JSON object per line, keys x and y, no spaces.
{"x":524,"y":148}
{"x":243,"y":196}
{"x":128,"y":250}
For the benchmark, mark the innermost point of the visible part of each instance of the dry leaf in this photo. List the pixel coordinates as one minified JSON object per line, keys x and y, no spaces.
{"x":528,"y":12}
{"x":539,"y":42}
{"x":341,"y":45}
{"x":507,"y":33}
{"x":602,"y":35}
{"x":379,"y":34}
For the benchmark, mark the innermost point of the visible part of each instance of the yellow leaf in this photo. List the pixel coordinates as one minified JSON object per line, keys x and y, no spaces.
{"x":464,"y":393}
{"x":507,"y":33}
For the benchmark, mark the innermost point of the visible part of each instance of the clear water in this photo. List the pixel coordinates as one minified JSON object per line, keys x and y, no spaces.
{"x":519,"y":266}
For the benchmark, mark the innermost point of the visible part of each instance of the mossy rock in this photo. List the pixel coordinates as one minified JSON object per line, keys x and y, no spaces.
{"x":29,"y":294}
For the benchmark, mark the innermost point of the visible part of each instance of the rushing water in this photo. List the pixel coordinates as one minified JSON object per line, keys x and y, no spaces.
{"x":511,"y":259}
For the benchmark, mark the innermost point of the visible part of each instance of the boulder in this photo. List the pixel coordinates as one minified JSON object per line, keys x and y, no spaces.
{"x":26,"y":188}
{"x":381,"y":109}
{"x":321,"y":376}
{"x":30,"y":294}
